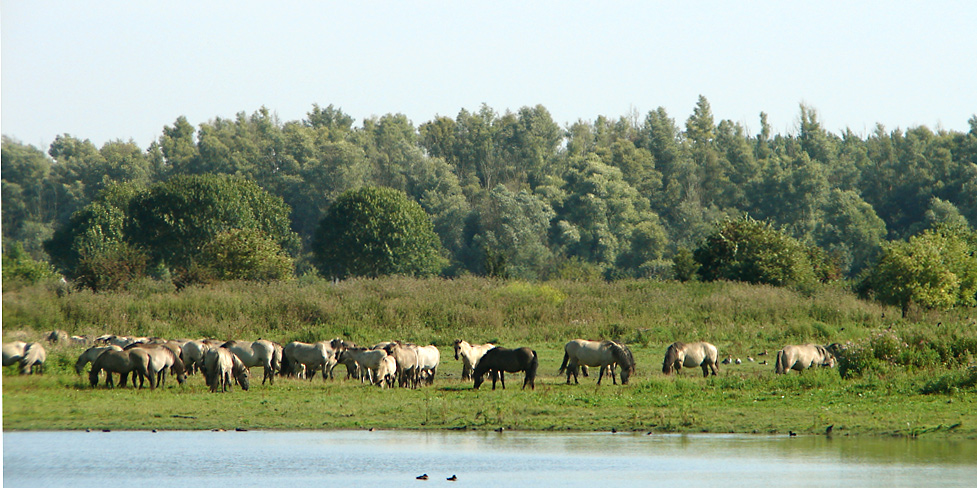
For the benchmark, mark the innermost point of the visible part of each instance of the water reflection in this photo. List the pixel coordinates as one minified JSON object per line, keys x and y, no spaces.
{"x":358,"y":458}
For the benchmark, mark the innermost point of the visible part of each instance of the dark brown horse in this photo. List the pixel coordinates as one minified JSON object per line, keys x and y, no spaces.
{"x":500,"y":360}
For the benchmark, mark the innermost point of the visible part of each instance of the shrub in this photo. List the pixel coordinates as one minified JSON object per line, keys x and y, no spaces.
{"x":19,"y":266}
{"x":856,"y":361}
{"x":753,"y":251}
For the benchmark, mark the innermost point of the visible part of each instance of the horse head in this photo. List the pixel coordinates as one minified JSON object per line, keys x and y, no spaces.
{"x":244,"y":379}
{"x":672,"y":360}
{"x":457,"y":348}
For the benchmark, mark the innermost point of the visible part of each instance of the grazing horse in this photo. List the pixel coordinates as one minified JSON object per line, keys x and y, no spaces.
{"x":222,"y":368}
{"x":13,"y":352}
{"x":386,"y":373}
{"x":469,"y":355}
{"x":802,"y":357}
{"x":701,"y":354}
{"x":605,"y":354}
{"x":164,"y":359}
{"x":91,"y":354}
{"x":261,"y":352}
{"x":134,"y":361}
{"x":502,"y":360}
{"x":33,"y":360}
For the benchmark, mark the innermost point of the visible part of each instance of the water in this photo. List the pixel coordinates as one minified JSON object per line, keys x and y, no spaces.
{"x":395,"y":458}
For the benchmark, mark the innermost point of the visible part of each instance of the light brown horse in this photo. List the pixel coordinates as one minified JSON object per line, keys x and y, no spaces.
{"x":802,"y":357}
{"x":135,"y":361}
{"x":222,"y":368}
{"x":469,"y":355}
{"x":262,"y":353}
{"x":91,"y":354}
{"x":33,"y":360}
{"x":408,"y":370}
{"x":13,"y":352}
{"x":701,"y":354}
{"x":606,"y":354}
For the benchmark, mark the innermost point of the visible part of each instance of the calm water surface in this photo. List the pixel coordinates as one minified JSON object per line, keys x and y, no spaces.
{"x":395,"y":458}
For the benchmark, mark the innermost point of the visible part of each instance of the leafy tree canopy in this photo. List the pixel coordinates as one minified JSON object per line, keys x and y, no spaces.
{"x":374,"y":232}
{"x":752,"y":251}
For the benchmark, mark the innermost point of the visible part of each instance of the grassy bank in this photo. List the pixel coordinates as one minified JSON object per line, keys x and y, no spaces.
{"x":907,"y":377}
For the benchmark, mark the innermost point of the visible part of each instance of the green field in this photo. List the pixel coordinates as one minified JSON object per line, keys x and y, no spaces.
{"x":907,"y":377}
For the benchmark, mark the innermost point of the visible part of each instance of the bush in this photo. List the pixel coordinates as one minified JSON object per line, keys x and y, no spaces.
{"x":753,"y":251}
{"x":856,"y":361}
{"x":19,"y":266}
{"x":952,"y":382}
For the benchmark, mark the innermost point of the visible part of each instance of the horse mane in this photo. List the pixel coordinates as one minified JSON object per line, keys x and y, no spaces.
{"x":622,"y":355}
{"x":673,"y":350}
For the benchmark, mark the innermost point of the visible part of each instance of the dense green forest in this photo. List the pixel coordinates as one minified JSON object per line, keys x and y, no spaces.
{"x":517,"y":195}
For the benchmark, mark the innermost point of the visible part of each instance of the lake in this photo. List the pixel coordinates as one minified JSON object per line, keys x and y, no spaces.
{"x":530,"y":459}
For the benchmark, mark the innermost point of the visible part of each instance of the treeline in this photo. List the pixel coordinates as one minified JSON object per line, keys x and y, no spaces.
{"x":517,"y":195}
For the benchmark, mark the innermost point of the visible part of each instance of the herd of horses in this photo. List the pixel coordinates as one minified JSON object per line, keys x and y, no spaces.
{"x":387,"y":364}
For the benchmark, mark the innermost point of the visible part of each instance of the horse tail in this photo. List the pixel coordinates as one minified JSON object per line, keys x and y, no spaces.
{"x":531,"y":371}
{"x":566,"y":358}
{"x":781,"y":362}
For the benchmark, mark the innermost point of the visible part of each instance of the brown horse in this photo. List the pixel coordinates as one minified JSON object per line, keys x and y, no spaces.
{"x":501,"y":360}
{"x":701,"y":354}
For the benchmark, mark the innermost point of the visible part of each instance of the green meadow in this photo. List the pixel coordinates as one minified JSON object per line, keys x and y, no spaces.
{"x":912,"y":376}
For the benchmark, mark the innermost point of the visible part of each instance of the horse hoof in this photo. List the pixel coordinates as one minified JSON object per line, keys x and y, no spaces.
{"x":422,"y":477}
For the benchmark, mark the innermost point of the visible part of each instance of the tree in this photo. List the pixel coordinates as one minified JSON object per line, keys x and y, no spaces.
{"x":849,"y":230}
{"x":599,"y":215}
{"x":92,"y":248}
{"x":29,"y":200}
{"x":175,"y":219}
{"x":507,"y":235}
{"x":934,"y":269}
{"x":375,"y":232}
{"x":752,"y":251}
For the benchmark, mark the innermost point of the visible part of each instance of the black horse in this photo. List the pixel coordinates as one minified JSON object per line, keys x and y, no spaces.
{"x":500,"y":360}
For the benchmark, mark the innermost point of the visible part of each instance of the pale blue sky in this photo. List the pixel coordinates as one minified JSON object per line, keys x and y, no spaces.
{"x":119,"y":70}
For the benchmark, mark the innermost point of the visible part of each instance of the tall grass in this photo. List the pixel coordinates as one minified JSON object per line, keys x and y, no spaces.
{"x":739,"y":316}
{"x":892,"y":369}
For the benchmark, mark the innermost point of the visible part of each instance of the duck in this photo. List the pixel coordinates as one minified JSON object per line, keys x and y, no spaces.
{"x":422,"y":477}
{"x":453,"y":478}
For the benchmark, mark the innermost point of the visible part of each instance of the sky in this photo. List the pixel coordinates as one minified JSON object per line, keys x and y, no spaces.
{"x":107,"y":70}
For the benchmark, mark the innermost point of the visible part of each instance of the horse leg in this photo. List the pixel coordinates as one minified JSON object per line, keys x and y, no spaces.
{"x":601,"y":376}
{"x":613,"y":374}
{"x":705,"y":370}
